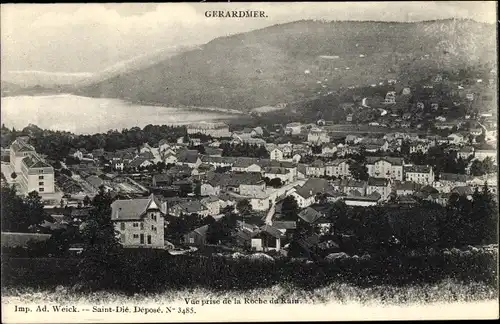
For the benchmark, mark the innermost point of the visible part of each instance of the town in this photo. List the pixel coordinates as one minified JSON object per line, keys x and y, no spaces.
{"x":255,"y":188}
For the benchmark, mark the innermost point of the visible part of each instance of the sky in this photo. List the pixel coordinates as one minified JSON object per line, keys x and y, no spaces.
{"x":88,"y":38}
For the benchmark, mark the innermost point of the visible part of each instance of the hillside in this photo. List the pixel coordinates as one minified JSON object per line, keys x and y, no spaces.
{"x":287,"y":62}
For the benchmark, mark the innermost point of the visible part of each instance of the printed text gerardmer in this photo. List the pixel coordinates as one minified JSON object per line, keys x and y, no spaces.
{"x":235,"y":14}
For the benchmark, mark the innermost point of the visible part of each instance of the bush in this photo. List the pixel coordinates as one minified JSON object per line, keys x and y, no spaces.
{"x":140,"y":271}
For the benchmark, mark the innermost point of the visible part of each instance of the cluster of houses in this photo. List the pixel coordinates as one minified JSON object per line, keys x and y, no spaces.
{"x":224,"y":181}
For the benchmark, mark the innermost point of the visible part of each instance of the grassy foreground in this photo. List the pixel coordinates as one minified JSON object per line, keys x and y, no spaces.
{"x":446,"y":291}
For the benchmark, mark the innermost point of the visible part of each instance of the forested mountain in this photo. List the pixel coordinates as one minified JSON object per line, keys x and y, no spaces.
{"x":287,"y":62}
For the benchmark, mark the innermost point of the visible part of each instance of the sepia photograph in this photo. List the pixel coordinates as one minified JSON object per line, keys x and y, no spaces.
{"x":238,"y":161}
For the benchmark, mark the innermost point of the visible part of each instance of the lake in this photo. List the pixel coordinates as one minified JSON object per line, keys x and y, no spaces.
{"x":84,"y":115}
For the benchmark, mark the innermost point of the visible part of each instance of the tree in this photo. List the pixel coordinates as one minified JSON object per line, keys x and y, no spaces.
{"x":160,"y":166}
{"x":86,"y":201}
{"x":220,"y":232}
{"x":243,"y":206}
{"x":290,"y":208}
{"x":197,"y":189}
{"x":359,"y":171}
{"x":12,"y":209}
{"x":275,"y":183}
{"x":478,"y":168}
{"x":101,"y":246}
{"x":35,"y":213}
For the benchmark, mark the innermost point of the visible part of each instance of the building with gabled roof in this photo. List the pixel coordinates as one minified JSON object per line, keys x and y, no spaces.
{"x":266,"y":238}
{"x":139,"y":222}
{"x":422,"y":174}
{"x":379,"y":185}
{"x":19,"y":149}
{"x":385,"y":167}
{"x":36,"y":175}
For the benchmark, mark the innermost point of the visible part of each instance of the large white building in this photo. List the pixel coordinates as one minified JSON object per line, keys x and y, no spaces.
{"x":19,"y":149}
{"x":36,"y":175}
{"x":33,"y":173}
{"x":216,"y":130}
{"x":422,"y":174}
{"x":385,"y":167}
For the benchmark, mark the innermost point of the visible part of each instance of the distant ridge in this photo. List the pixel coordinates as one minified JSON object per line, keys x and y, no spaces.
{"x":266,"y":66}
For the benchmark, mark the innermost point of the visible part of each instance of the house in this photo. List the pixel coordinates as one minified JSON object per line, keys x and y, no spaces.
{"x":466,"y":191}
{"x":266,"y":238}
{"x":374,"y":144}
{"x":212,"y":204}
{"x":19,"y":149}
{"x":163,"y":145}
{"x":216,"y":129}
{"x":353,"y":139}
{"x":117,"y":165}
{"x":285,"y":227}
{"x":318,"y":136}
{"x":257,"y":131}
{"x":404,"y":188}
{"x":197,"y":237}
{"x":188,"y":208}
{"x":419,"y":147}
{"x":316,"y":169}
{"x":457,"y":138}
{"x":293,"y":128}
{"x":36,"y":175}
{"x":210,"y":187}
{"x":250,"y":186}
{"x":347,"y":186}
{"x":328,"y":149}
{"x":445,"y":125}
{"x":218,"y":162}
{"x":363,"y":201}
{"x":170,"y":159}
{"x":385,"y":167}
{"x":380,"y":185}
{"x":315,"y":218}
{"x":276,"y":154}
{"x":337,"y":168}
{"x":139,"y":162}
{"x":305,"y":195}
{"x":246,"y":164}
{"x":276,"y":172}
{"x":139,"y":222}
{"x":162,"y":180}
{"x":95,"y":182}
{"x":422,"y":174}
{"x":190,"y":158}
{"x":447,"y":181}
{"x":465,"y":152}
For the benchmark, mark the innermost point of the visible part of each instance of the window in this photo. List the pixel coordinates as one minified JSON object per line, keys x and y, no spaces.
{"x":142,"y":239}
{"x":149,"y":239}
{"x":40,"y":183}
{"x":122,"y":226}
{"x":136,"y":236}
{"x":142,"y":226}
{"x":41,"y":189}
{"x":153,"y":216}
{"x":135,"y":224}
{"x":191,"y":240}
{"x":40,"y":177}
{"x":40,"y":171}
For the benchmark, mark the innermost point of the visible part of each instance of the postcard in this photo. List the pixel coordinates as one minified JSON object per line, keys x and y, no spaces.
{"x":228,"y":162}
